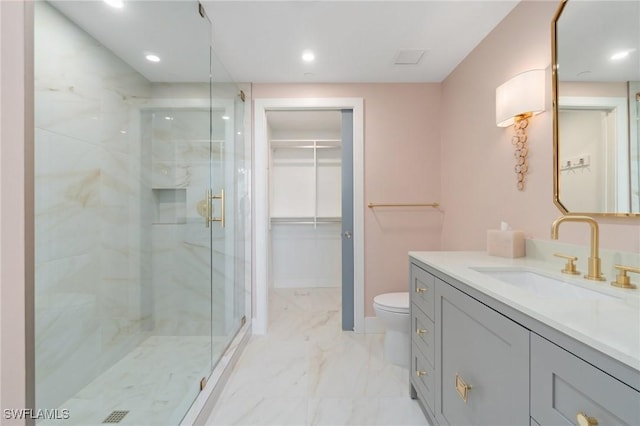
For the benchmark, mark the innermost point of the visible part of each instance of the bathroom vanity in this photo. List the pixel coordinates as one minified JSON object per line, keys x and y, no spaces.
{"x":500,"y":341}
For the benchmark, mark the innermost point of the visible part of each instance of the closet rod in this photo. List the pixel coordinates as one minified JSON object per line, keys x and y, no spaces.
{"x":301,"y":222}
{"x":434,"y":205}
{"x":305,"y":140}
{"x":304,"y":146}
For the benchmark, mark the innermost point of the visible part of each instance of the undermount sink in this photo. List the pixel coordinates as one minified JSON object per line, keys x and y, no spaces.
{"x":542,"y":285}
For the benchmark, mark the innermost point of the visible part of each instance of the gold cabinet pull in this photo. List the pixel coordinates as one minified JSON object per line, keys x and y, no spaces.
{"x":421,"y":331}
{"x":421,"y":373}
{"x":584,"y":420}
{"x":222,"y":214}
{"x":420,"y":290}
{"x":622,"y":279}
{"x":570,"y":267}
{"x":462,"y":388}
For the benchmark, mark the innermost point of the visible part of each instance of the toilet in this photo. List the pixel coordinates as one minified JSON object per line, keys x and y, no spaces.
{"x":393,"y":310}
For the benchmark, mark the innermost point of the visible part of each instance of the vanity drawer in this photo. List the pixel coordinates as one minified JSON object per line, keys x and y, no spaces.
{"x":422,"y":332}
{"x":563,"y":385}
{"x":421,"y":290}
{"x":422,"y":376}
{"x":482,"y":363}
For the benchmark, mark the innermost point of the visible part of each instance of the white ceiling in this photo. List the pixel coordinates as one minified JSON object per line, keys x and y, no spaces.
{"x":262,"y":41}
{"x":354,"y":41}
{"x":173,"y":30}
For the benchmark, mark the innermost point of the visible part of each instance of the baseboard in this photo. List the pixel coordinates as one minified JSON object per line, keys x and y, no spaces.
{"x":373,"y":325}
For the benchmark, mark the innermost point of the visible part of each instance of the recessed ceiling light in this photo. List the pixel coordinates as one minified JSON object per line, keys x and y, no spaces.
{"x":620,"y":55}
{"x":152,"y":58}
{"x":308,"y":56}
{"x":225,"y":117}
{"x":118,"y":4}
{"x":168,"y":117}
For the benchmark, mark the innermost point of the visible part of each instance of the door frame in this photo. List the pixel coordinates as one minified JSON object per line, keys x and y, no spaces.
{"x":261,"y":200}
{"x":617,"y":150}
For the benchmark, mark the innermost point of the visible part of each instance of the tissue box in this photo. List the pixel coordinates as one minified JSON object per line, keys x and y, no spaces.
{"x":505,"y":243}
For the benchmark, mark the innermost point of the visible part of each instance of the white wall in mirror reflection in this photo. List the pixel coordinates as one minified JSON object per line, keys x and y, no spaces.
{"x":594,"y":126}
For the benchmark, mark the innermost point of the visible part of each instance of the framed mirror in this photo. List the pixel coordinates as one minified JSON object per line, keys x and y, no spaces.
{"x":596,"y":107}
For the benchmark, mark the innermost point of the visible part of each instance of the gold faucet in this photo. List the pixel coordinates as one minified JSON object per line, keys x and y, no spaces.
{"x":594,"y":260}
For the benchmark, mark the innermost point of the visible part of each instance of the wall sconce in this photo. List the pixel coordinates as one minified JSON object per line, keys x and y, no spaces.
{"x":516,"y":100}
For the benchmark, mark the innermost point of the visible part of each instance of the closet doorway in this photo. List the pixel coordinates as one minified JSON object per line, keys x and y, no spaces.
{"x":308,"y":201}
{"x":305,"y":198}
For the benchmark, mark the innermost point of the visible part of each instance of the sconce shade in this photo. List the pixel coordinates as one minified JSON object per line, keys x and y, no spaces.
{"x":524,"y":94}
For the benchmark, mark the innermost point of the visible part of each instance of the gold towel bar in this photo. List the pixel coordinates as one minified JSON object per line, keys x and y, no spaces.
{"x":434,"y":205}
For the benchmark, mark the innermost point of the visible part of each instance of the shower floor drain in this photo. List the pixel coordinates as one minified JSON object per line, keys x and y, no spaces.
{"x":115,"y":417}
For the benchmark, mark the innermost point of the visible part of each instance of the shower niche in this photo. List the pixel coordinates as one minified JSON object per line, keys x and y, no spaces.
{"x":179,"y":151}
{"x":169,"y":206}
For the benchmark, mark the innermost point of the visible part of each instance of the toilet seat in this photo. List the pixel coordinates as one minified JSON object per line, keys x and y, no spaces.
{"x":393,"y":302}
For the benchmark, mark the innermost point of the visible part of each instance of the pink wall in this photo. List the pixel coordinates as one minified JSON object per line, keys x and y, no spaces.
{"x":408,"y":125}
{"x":401,"y":165}
{"x":16,"y":268}
{"x":478,"y":182}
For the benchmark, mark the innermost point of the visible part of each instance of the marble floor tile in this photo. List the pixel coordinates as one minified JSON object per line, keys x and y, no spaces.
{"x":156,"y":383}
{"x":369,"y":411}
{"x":307,"y":371}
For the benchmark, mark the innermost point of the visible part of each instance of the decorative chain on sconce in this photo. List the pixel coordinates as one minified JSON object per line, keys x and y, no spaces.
{"x":519,"y":140}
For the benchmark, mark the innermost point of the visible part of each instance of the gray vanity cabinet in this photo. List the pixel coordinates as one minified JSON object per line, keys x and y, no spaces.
{"x":462,"y":341}
{"x":489,"y":353}
{"x":563,"y":385}
{"x":422,"y":362}
{"x":486,"y":363}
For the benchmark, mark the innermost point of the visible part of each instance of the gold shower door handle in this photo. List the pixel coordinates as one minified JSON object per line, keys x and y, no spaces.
{"x":220,"y":219}
{"x":208,"y":219}
{"x":204,"y":208}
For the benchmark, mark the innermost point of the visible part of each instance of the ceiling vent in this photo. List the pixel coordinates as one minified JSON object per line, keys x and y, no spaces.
{"x":409,"y":56}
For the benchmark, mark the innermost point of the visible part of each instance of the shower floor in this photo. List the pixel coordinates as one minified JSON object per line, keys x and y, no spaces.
{"x":156,"y":383}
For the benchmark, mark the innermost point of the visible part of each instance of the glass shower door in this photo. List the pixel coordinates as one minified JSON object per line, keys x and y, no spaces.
{"x":221,"y":228}
{"x":123,"y":159}
{"x":229,"y":189}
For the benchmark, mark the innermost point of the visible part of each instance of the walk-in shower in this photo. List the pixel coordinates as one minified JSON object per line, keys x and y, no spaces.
{"x":141,"y":206}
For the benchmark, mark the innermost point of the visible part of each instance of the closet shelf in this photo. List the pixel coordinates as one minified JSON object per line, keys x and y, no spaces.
{"x":306,"y":143}
{"x":305,"y":220}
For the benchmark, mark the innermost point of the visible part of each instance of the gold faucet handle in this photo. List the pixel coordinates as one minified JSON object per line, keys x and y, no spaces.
{"x":570,"y":267}
{"x":622,"y":279}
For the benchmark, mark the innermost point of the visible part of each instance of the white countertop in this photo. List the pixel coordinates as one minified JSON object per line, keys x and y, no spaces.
{"x":611,"y":325}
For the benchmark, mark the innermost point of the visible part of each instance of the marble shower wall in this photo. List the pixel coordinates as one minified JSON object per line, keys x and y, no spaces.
{"x":91,"y":275}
